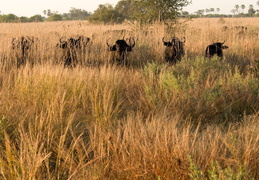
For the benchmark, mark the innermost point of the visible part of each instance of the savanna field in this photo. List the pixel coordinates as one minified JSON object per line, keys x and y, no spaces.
{"x":198,"y":119}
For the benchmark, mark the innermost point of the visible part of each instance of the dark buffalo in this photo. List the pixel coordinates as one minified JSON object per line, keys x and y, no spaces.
{"x":239,"y":31}
{"x":121,"y":48}
{"x":82,"y":42}
{"x":215,"y":49}
{"x":225,"y":28}
{"x":74,"y":43}
{"x":241,"y":28}
{"x":69,"y":51}
{"x":174,"y":50}
{"x":22,"y":46}
{"x":70,"y":46}
{"x":70,"y":58}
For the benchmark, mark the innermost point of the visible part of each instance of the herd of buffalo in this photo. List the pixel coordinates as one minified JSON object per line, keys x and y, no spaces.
{"x":173,"y":52}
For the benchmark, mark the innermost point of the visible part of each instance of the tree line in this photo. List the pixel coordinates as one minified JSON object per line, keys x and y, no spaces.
{"x":131,"y":10}
{"x":73,"y":14}
{"x":237,"y":11}
{"x":135,"y":10}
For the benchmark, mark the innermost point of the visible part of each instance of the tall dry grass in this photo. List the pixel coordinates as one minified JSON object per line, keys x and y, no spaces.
{"x":196,"y":120}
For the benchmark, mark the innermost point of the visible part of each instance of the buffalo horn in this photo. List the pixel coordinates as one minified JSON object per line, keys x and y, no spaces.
{"x":163,"y":39}
{"x":61,"y":39}
{"x":184,"y":39}
{"x":132,"y":45}
{"x":13,"y":40}
{"x":107,"y":42}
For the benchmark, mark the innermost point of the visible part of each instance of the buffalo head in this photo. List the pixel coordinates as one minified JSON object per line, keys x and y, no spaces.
{"x":21,"y":47}
{"x":215,"y":49}
{"x":120,"y":48}
{"x":74,"y":43}
{"x":174,"y":50}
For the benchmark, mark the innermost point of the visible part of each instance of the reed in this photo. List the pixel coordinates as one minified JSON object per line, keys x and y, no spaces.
{"x":195,"y":120}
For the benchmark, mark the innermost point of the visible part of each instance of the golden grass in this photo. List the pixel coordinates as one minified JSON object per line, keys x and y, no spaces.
{"x":196,"y":120}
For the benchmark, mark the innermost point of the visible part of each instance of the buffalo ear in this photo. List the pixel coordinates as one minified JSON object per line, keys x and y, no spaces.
{"x":129,"y":48}
{"x":87,"y":39}
{"x":112,"y":48}
{"x":63,"y":45}
{"x":167,"y":43}
{"x":224,"y":47}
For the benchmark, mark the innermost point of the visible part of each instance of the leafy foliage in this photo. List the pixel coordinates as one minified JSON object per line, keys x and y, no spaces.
{"x":142,"y":11}
{"x":36,"y":18}
{"x":106,"y":14}
{"x":9,"y":18}
{"x":55,"y":17}
{"x":150,"y":10}
{"x":76,"y":14}
{"x":13,"y":18}
{"x":216,"y":172}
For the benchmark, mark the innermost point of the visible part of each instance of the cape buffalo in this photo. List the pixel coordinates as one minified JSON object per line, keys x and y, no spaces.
{"x":21,"y":46}
{"x":70,"y":46}
{"x":74,"y":43}
{"x":174,"y":50}
{"x":215,"y":49}
{"x":120,"y":48}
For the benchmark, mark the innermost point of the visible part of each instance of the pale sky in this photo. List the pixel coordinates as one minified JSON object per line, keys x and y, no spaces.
{"x":31,"y":7}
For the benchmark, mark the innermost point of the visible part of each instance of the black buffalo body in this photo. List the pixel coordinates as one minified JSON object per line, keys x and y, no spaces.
{"x":74,"y":43}
{"x":174,"y":50}
{"x":70,"y":46}
{"x":22,"y":46}
{"x":120,"y":49}
{"x":215,"y":49}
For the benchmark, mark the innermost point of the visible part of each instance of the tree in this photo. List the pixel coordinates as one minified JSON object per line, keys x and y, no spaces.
{"x":126,"y":9}
{"x":105,"y":13}
{"x":24,"y":19}
{"x":163,"y":10}
{"x":48,"y":12}
{"x":200,"y":12}
{"x":9,"y":18}
{"x":243,"y":7}
{"x":218,"y":9}
{"x":212,"y":9}
{"x":151,"y":10}
{"x":78,"y":14}
{"x":45,"y":12}
{"x":54,"y":17}
{"x":234,"y":11}
{"x":185,"y":13}
{"x":237,"y":7}
{"x":36,"y":18}
{"x":133,"y":10}
{"x":251,"y":10}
